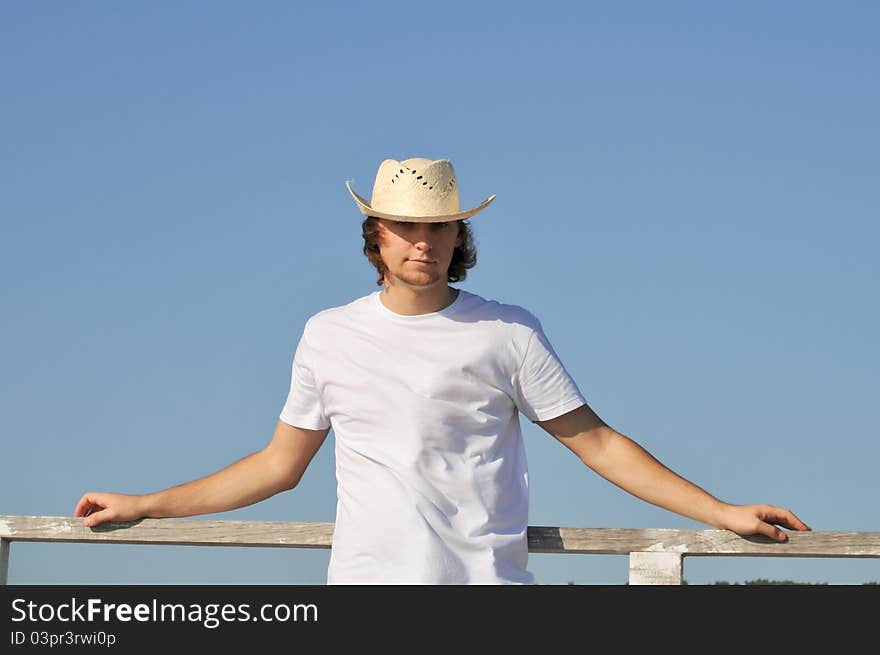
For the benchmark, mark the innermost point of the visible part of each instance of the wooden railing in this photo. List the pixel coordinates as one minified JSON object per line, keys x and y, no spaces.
{"x":655,"y":556}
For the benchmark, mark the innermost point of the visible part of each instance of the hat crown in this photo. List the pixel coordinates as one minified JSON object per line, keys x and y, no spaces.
{"x":416,"y":187}
{"x":413,"y":162}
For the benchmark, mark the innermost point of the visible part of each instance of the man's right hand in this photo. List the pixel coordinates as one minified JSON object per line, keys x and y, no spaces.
{"x":277,"y":467}
{"x":100,"y":507}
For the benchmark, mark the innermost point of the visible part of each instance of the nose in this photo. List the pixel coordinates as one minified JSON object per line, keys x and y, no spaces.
{"x":422,"y":237}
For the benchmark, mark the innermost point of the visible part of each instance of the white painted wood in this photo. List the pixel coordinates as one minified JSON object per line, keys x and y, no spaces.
{"x":655,"y":568}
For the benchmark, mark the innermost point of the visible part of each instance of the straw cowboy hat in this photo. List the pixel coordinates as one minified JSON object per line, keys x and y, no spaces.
{"x":418,"y":190}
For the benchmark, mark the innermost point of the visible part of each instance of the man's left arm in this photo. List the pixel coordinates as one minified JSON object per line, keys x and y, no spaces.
{"x":625,"y":463}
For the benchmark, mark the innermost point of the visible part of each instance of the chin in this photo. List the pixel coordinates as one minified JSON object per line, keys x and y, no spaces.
{"x":421,"y":281}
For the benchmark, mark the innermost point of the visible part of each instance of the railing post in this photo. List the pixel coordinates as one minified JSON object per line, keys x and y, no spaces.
{"x":4,"y":560}
{"x":654,"y":568}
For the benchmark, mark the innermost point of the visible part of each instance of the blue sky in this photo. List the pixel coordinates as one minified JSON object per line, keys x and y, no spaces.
{"x":686,"y":198}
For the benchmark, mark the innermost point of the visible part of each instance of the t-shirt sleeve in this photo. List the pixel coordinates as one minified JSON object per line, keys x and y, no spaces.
{"x":543,"y":388}
{"x":304,"y":407}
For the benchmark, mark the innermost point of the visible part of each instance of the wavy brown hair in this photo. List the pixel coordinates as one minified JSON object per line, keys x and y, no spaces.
{"x":463,"y":257}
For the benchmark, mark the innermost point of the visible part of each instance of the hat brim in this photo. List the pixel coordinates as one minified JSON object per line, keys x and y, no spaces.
{"x":366,"y":210}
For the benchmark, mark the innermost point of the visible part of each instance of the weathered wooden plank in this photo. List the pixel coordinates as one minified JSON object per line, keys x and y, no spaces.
{"x":542,"y":539}
{"x":655,"y":568}
{"x":619,"y":541}
{"x":178,"y":532}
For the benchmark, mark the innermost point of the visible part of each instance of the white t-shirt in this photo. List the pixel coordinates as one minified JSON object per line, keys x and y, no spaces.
{"x":432,"y":481}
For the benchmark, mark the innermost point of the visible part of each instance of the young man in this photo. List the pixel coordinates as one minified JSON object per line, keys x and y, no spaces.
{"x":423,"y":384}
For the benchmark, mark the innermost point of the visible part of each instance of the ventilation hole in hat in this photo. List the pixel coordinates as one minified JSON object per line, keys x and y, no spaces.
{"x":430,"y":187}
{"x":413,"y":171}
{"x":392,"y":180}
{"x":401,"y":170}
{"x":424,"y":184}
{"x":419,"y":177}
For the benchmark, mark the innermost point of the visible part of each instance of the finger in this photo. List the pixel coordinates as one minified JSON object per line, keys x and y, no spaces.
{"x":98,"y":518}
{"x":785,"y":517}
{"x":772,"y":531}
{"x":795,"y":523}
{"x":85,"y":504}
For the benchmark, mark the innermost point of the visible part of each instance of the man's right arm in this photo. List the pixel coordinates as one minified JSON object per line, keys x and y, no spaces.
{"x":277,"y":467}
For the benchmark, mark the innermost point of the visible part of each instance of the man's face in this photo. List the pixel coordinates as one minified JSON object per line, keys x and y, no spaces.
{"x":417,"y":254}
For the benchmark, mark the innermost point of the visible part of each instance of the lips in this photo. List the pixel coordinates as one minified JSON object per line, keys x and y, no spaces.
{"x":422,"y":261}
